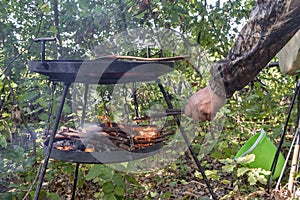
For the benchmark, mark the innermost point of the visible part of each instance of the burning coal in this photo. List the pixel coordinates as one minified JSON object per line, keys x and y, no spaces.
{"x":111,"y":137}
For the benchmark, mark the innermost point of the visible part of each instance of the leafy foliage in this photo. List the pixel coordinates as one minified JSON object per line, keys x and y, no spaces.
{"x":79,"y":26}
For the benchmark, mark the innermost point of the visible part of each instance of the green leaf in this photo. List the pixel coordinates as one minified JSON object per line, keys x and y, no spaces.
{"x":172,"y":183}
{"x":246,"y":159}
{"x":4,"y":115}
{"x":69,"y":169}
{"x":132,"y":179}
{"x":44,"y":7}
{"x":241,"y":171}
{"x":213,"y":174}
{"x":97,"y":195}
{"x":167,"y":195}
{"x":43,"y":195}
{"x":228,"y":168}
{"x":14,"y":85}
{"x":3,"y":142}
{"x":198,"y":175}
{"x":265,"y":172}
{"x":94,"y":172}
{"x":107,"y":173}
{"x":8,"y":195}
{"x":226,"y":182}
{"x":108,"y":187}
{"x":261,"y":175}
{"x":118,"y":180}
{"x":262,"y":179}
{"x":109,"y":196}
{"x":227,"y":161}
{"x":53,"y":196}
{"x":217,"y":154}
{"x":53,"y":29}
{"x":153,"y":194}
{"x":251,"y":178}
{"x":43,"y":116}
{"x":119,"y":191}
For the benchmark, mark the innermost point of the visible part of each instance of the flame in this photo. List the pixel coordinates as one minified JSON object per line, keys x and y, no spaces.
{"x":104,"y":118}
{"x":147,"y":134}
{"x":139,"y":146}
{"x":142,"y":136}
{"x":64,"y":148}
{"x":91,"y":149}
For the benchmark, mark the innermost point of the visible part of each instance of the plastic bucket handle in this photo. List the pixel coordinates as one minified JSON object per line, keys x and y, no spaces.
{"x":262,"y":134}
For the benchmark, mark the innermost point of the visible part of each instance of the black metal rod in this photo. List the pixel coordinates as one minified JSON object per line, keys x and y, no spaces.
{"x":136,"y":103}
{"x":86,"y":90}
{"x":273,"y":167}
{"x":170,"y":106}
{"x":51,"y":140}
{"x":43,"y":50}
{"x":75,"y":181}
{"x":43,"y":45}
{"x":168,"y":112}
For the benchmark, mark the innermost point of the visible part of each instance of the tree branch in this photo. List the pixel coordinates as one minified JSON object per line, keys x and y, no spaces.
{"x":56,"y":24}
{"x":7,"y":68}
{"x":123,"y":15}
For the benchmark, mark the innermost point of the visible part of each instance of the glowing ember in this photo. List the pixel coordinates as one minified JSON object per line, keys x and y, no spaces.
{"x":91,"y":149}
{"x":126,"y":137}
{"x":64,"y":148}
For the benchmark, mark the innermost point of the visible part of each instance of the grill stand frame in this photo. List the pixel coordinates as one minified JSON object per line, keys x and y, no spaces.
{"x":170,"y":106}
{"x":51,"y":140}
{"x":55,"y":128}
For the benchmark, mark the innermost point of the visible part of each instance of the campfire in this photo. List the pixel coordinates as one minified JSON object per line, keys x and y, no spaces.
{"x":111,"y":136}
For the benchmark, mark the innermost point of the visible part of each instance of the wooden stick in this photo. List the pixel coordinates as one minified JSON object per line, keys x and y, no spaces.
{"x":293,"y":167}
{"x":165,"y":133}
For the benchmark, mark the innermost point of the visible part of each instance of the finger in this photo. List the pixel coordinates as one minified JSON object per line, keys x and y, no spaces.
{"x":205,"y":113}
{"x":202,"y":116}
{"x":208,"y":117}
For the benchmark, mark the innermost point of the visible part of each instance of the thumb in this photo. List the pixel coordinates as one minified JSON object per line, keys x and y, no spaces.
{"x":217,"y":102}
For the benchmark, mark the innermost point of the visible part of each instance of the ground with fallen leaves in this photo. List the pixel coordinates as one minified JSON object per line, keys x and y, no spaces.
{"x":177,"y":182}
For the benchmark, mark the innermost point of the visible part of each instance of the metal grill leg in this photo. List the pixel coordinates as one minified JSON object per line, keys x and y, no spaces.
{"x":170,"y":106}
{"x":276,"y":156}
{"x":75,"y":181}
{"x":51,"y":140}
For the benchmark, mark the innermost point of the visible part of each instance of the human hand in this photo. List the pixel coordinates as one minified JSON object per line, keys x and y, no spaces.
{"x":204,"y":104}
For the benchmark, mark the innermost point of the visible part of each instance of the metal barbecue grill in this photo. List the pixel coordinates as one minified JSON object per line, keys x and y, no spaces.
{"x":112,"y":145}
{"x":104,"y":71}
{"x":107,"y":70}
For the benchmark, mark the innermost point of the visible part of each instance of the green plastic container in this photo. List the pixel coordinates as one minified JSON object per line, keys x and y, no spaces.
{"x":264,"y":151}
